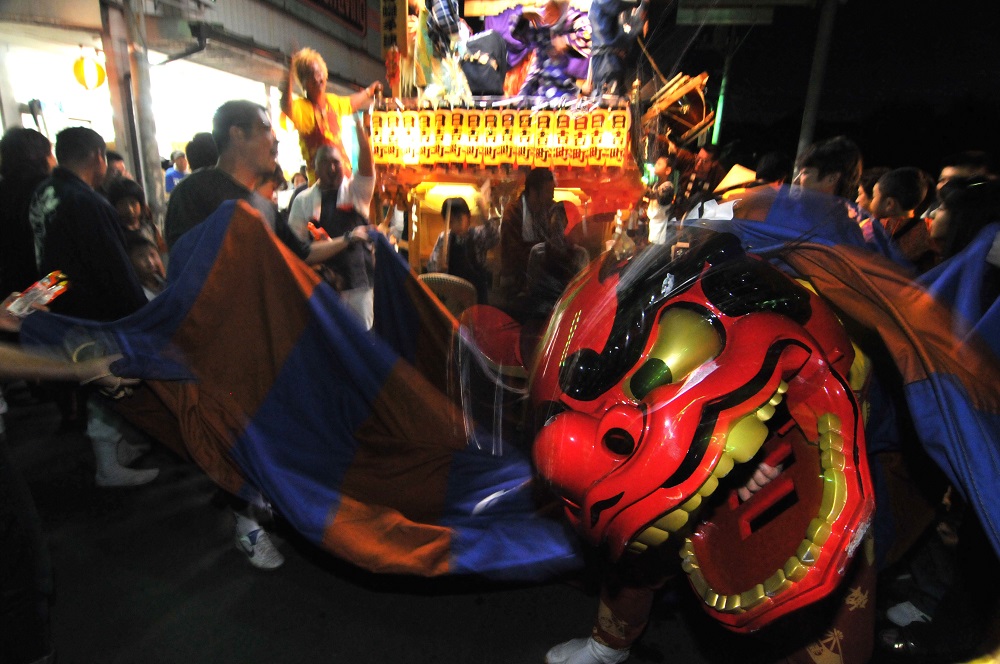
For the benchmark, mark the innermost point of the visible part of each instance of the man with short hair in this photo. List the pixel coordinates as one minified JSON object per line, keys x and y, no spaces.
{"x":339,"y":204}
{"x":77,"y":232}
{"x":696,"y":173}
{"x":526,"y":222}
{"x":831,"y":167}
{"x":117,"y":170}
{"x":894,"y":202}
{"x":178,"y":170}
{"x":116,"y":166}
{"x":247,"y":151}
{"x":201,"y":151}
{"x":247,"y":155}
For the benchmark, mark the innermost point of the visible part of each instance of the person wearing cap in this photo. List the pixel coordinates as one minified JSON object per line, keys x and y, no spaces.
{"x":178,"y":169}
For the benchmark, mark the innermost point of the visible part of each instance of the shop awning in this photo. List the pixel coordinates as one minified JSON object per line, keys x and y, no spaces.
{"x":211,"y":45}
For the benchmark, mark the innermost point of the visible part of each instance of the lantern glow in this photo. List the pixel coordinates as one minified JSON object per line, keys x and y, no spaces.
{"x":89,"y":72}
{"x":491,"y":138}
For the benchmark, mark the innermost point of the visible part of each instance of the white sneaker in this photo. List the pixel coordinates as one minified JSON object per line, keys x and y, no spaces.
{"x":128,"y":452}
{"x":118,"y":476}
{"x":584,"y":651}
{"x":260,"y":550}
{"x":110,"y":472}
{"x":904,"y":613}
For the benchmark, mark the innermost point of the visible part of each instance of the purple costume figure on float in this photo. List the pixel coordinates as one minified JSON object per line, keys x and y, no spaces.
{"x":504,"y":23}
{"x":560,"y":36}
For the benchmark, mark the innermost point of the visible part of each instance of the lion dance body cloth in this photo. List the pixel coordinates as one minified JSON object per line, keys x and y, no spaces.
{"x":257,"y":372}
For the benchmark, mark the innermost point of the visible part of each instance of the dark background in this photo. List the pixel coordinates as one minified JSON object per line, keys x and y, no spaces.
{"x":910,"y":82}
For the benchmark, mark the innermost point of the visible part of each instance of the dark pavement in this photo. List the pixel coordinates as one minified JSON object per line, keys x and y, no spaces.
{"x":150,"y":575}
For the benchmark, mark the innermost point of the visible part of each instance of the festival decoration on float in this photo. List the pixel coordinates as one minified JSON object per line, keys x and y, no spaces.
{"x":392,"y":72}
{"x":493,"y":137}
{"x":680,"y":105}
{"x":393,"y":23}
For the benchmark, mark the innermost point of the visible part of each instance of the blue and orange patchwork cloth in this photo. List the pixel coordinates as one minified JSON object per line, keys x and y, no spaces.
{"x":943,"y":337}
{"x":256,"y":371}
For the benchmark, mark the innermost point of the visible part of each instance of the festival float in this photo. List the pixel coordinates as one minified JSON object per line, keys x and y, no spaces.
{"x":438,"y":147}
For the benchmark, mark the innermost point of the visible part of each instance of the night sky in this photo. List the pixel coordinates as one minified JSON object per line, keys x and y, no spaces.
{"x":911,"y":82}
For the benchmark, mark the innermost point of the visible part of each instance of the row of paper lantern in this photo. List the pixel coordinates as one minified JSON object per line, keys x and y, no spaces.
{"x":495,"y":137}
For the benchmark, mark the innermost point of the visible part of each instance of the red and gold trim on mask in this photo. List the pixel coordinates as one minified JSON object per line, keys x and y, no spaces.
{"x":661,"y":403}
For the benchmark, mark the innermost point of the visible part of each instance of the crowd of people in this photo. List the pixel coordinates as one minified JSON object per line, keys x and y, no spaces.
{"x":899,"y":209}
{"x":76,"y":209}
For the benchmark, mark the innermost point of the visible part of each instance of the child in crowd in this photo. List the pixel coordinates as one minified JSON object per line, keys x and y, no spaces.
{"x":147,"y":264}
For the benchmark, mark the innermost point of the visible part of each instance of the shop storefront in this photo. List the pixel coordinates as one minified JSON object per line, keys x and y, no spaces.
{"x":199,"y":56}
{"x":40,"y":79}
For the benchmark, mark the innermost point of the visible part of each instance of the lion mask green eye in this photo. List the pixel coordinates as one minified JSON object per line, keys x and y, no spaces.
{"x":687,"y":339}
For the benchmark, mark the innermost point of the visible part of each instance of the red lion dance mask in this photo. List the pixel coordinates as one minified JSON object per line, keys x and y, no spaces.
{"x":656,"y":379}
